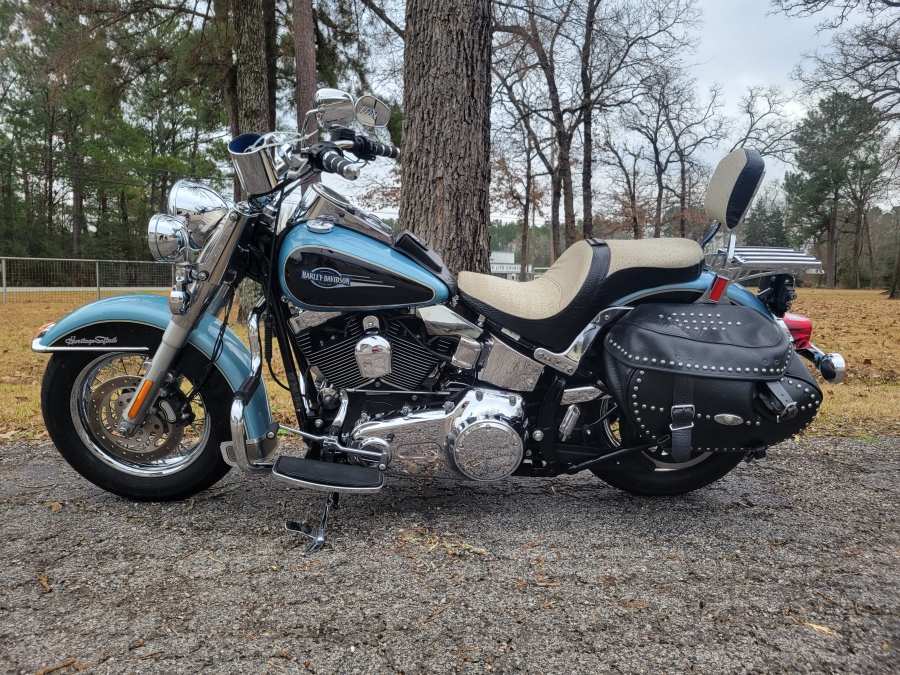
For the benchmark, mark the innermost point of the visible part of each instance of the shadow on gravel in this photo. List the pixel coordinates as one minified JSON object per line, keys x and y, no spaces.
{"x":788,"y":565}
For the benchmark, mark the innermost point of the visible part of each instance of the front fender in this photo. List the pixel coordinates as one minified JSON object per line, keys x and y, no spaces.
{"x":153,"y":310}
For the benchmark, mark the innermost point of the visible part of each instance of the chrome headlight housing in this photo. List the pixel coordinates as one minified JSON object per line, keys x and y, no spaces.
{"x":168,"y":238}
{"x":202,"y":208}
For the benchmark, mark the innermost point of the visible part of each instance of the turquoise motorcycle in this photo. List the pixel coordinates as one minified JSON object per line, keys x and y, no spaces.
{"x":646,"y":361}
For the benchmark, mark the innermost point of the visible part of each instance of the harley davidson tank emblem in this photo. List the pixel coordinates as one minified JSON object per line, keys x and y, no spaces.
{"x":325,"y":277}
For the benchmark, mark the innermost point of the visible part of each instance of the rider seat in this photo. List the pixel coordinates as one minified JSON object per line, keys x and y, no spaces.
{"x":590,"y":276}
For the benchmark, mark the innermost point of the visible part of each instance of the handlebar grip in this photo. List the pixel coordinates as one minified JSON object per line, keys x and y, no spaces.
{"x":332,"y":162}
{"x":382,"y":150}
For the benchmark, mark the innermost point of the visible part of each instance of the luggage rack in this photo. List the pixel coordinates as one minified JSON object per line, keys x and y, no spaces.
{"x":751,"y":262}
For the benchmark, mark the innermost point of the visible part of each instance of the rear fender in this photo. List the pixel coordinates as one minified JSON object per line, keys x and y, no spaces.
{"x":153,"y":311}
{"x":736,"y":293}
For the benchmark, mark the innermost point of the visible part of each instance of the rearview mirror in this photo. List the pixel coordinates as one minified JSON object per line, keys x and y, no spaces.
{"x":335,"y":108}
{"x":372,"y":112}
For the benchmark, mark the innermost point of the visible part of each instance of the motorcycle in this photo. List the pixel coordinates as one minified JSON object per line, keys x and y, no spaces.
{"x":646,"y":362}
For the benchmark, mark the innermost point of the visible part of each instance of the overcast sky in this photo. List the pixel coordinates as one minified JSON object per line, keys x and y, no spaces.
{"x":743,"y":43}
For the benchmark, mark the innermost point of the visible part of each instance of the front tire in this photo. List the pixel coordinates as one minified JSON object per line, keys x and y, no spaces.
{"x":80,"y":397}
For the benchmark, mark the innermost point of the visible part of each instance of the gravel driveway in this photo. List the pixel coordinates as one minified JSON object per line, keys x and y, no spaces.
{"x":787,"y":565}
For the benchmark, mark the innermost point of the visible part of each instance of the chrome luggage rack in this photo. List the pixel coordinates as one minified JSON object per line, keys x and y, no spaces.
{"x":751,"y":262}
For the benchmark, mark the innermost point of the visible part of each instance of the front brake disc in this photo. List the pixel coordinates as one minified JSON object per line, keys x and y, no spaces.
{"x":155,"y":439}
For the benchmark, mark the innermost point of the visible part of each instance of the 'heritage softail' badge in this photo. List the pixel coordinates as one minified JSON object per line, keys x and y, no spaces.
{"x":99,"y":340}
{"x":325,"y":277}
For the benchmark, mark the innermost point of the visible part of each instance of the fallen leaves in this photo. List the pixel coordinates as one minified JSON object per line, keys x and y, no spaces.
{"x":439,"y":611}
{"x":830,"y":632}
{"x":58,"y":666}
{"x":45,"y":583}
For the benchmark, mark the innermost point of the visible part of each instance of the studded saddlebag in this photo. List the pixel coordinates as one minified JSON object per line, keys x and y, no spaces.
{"x":707,"y":377}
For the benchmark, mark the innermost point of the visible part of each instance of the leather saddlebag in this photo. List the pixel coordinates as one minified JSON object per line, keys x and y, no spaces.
{"x":707,"y":377}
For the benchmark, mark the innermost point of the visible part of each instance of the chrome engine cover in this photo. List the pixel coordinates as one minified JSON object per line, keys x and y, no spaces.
{"x":480,"y":438}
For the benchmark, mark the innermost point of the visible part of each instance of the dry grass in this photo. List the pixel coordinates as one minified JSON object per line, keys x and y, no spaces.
{"x":864,"y":326}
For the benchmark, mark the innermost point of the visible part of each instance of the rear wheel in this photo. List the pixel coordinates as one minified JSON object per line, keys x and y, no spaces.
{"x":169,"y":458}
{"x":654,"y":472}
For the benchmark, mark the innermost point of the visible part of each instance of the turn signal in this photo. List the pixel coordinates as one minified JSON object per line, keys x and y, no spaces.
{"x":800,"y":328}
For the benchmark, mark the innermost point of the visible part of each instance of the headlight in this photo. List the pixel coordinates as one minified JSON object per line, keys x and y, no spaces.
{"x":168,"y":238}
{"x":200,"y":206}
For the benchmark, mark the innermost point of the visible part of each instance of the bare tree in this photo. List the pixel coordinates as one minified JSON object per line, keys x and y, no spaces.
{"x":764,"y":124}
{"x":862,"y":60}
{"x":612,"y":52}
{"x":692,"y":125}
{"x":626,"y":159}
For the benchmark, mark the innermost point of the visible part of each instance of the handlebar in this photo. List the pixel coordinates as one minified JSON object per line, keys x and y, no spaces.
{"x":363,"y":146}
{"x":333,"y":162}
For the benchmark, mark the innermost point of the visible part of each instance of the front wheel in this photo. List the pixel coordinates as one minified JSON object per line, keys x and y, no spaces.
{"x":653,"y":472}
{"x":170,"y":457}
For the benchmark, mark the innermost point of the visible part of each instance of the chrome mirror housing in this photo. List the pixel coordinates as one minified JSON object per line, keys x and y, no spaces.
{"x":335,"y":108}
{"x":372,"y":112}
{"x":168,"y":238}
{"x":202,"y":207}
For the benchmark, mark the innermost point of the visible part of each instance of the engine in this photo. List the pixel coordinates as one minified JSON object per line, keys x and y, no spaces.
{"x":351,"y":351}
{"x":478,"y":438}
{"x":478,"y":435}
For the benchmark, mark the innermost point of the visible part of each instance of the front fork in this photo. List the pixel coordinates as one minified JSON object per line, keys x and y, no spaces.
{"x":199,"y":288}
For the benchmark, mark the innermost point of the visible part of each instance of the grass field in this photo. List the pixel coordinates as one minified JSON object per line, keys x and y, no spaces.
{"x":862,"y":325}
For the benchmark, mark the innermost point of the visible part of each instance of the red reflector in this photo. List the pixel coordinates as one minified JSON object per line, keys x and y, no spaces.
{"x":800,"y":328}
{"x":718,"y":288}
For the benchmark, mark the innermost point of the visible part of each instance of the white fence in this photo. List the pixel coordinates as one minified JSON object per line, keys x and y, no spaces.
{"x":70,"y":281}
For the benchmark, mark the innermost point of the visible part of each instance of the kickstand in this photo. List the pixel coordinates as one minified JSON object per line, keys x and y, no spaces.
{"x":318,"y":537}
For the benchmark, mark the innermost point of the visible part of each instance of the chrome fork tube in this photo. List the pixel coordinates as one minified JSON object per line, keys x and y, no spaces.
{"x":238,"y":437}
{"x":207,"y":276}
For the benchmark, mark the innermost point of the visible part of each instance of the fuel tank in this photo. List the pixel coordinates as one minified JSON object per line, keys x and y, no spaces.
{"x":344,"y":270}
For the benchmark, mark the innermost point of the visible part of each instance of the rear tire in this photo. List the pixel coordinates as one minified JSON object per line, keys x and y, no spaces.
{"x":640,"y":476}
{"x":652,"y":473}
{"x":90,"y":448}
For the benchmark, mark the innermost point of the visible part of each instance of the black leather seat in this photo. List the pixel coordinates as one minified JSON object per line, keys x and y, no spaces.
{"x":590,"y":276}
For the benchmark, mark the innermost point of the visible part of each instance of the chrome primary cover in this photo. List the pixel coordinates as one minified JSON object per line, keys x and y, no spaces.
{"x":480,"y":438}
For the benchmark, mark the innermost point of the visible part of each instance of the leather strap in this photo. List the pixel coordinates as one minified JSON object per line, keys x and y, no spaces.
{"x":682,"y":417}
{"x":788,"y":408}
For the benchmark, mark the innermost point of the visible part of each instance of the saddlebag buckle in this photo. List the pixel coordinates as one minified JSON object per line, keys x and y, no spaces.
{"x":682,"y":417}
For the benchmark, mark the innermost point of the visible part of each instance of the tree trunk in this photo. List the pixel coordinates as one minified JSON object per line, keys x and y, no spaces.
{"x":524,"y":255}
{"x":587,"y":197}
{"x":271,"y":29}
{"x":857,"y":248}
{"x":554,"y":215}
{"x":895,"y":285}
{"x":304,"y":56}
{"x":123,"y":210}
{"x":831,"y":253}
{"x":682,"y":198}
{"x":568,"y":192}
{"x":657,"y":227}
{"x":77,"y":203}
{"x":871,"y":255}
{"x":446,"y":134}
{"x":26,"y":191}
{"x":48,"y":188}
{"x":251,"y":66}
